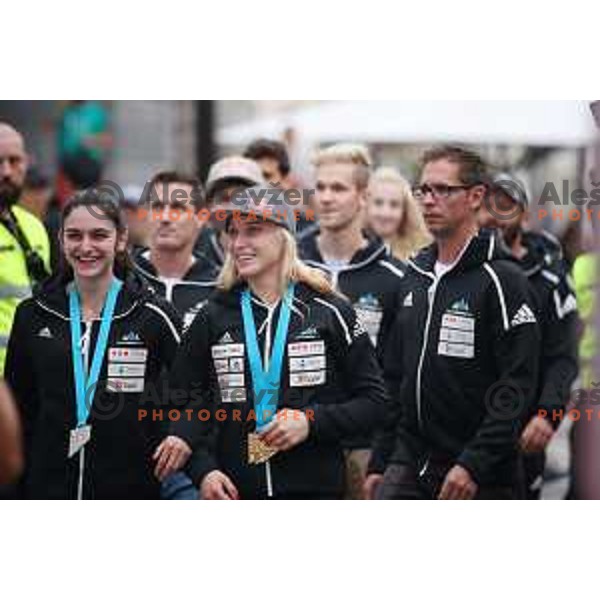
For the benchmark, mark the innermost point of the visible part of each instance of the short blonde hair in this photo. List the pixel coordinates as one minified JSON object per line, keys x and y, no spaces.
{"x":293,"y":269}
{"x":348,"y":154}
{"x":412,"y":234}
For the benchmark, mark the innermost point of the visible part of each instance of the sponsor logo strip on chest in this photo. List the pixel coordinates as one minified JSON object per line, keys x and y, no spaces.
{"x":306,"y":348}
{"x":128,"y":355}
{"x":227,"y":350}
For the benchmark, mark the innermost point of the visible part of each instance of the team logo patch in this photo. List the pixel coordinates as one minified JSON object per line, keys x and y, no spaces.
{"x":408,"y":300}
{"x":310,"y":333}
{"x":131,"y":338}
{"x":460,"y":306}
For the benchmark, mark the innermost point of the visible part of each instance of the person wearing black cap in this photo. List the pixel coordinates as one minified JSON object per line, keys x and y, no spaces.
{"x":277,"y":370}
{"x":506,"y":209}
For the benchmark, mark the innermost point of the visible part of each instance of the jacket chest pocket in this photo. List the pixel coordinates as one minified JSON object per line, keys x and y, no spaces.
{"x":307,"y":363}
{"x":126,"y":370}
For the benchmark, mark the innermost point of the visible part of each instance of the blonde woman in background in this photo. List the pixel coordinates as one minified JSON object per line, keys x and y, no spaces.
{"x":393,"y":214}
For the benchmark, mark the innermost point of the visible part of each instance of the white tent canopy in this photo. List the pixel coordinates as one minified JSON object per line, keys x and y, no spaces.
{"x":531,"y":123}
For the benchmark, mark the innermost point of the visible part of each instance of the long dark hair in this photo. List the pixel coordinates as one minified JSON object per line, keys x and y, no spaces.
{"x":103,"y":208}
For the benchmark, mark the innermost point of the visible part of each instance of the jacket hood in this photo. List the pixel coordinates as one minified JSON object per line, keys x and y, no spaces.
{"x":484,"y":247}
{"x":231,"y":298}
{"x":373,"y":251}
{"x":199,"y":271}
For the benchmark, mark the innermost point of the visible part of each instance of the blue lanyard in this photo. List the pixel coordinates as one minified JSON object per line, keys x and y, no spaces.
{"x":84,"y":384}
{"x":266,"y":384}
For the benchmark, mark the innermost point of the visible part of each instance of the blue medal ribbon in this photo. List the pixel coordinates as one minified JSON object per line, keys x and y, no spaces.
{"x":266,"y":384}
{"x":83,"y":383}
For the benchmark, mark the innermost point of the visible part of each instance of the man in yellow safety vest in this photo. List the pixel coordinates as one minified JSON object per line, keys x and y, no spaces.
{"x":24,"y":245}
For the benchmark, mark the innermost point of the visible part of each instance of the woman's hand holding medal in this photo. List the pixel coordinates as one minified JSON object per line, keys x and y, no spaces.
{"x":288,"y":429}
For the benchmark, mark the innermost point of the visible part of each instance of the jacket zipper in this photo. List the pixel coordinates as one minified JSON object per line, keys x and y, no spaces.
{"x":84,"y":345}
{"x":430,"y":303}
{"x":266,"y":356}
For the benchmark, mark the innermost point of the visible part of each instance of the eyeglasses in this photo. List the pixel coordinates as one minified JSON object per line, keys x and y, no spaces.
{"x":440,"y":191}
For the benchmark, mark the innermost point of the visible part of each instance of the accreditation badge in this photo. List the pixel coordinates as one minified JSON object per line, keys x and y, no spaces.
{"x":78,"y":438}
{"x":258,"y":451}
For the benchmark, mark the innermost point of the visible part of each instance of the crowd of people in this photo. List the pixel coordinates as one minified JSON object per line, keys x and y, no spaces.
{"x":228,"y":340}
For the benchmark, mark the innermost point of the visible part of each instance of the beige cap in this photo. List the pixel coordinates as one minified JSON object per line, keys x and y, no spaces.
{"x":235,"y":168}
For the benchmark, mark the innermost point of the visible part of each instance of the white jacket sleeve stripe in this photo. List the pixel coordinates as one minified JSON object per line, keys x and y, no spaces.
{"x":498,"y":285}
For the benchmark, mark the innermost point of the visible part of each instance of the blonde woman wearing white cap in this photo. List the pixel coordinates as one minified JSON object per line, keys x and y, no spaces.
{"x":277,"y":370}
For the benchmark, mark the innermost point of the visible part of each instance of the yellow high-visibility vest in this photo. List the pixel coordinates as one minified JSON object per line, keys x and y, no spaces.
{"x":15,"y":284}
{"x":585,"y":276}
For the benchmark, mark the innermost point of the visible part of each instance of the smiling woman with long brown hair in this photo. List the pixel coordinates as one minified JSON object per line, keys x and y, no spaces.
{"x":83,"y":352}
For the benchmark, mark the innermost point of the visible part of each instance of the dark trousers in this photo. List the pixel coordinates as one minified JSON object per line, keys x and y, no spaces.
{"x":533,"y":472}
{"x":401,"y":482}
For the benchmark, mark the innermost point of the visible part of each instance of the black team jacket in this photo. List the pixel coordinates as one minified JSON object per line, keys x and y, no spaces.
{"x":461,"y":365}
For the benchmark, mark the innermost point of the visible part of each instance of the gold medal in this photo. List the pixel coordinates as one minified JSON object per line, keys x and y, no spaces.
{"x":258,"y":451}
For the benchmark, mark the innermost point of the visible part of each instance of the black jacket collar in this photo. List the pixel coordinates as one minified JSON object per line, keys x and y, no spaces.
{"x":52,"y":296}
{"x":231,"y":299}
{"x":484,"y":247}
{"x":199,"y":271}
{"x":373,"y":251}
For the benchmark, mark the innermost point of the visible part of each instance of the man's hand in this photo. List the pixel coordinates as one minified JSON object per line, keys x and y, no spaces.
{"x":537,"y":435}
{"x":458,"y":485}
{"x":372,"y":482}
{"x":286,"y":430}
{"x":171,"y":456}
{"x":217,"y":486}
